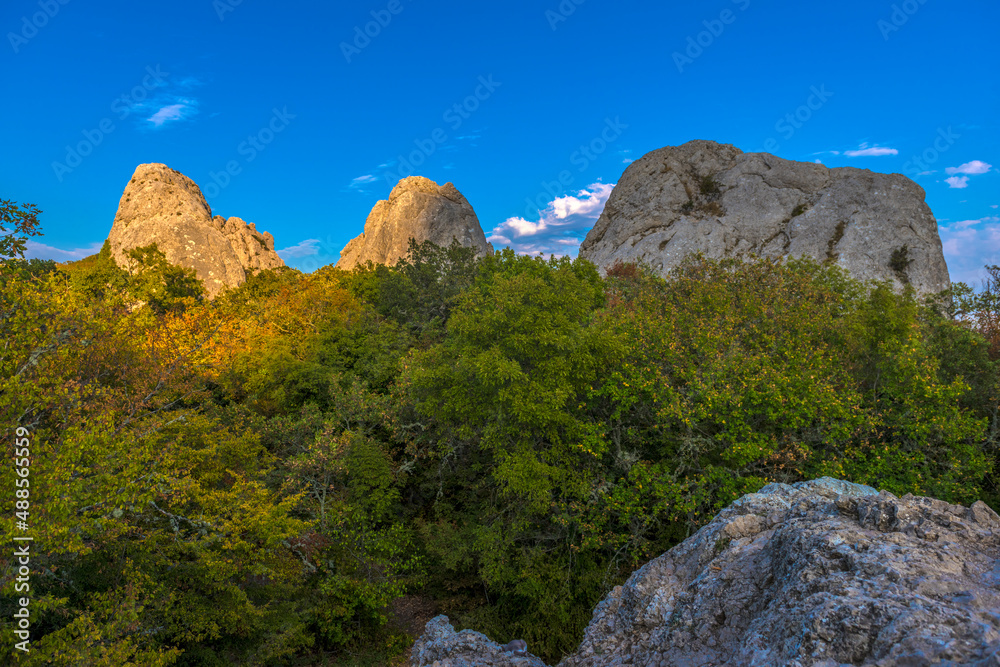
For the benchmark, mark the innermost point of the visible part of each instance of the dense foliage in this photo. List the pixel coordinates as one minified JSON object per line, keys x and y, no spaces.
{"x":309,"y":466}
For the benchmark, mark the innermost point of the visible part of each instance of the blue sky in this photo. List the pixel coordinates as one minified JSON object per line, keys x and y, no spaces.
{"x":311,"y":116}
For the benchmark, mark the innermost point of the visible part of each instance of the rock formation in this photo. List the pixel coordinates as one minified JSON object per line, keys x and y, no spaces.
{"x":165,"y":207}
{"x":420,"y":209}
{"x":713,"y":198}
{"x":822,"y":573}
{"x":441,"y":646}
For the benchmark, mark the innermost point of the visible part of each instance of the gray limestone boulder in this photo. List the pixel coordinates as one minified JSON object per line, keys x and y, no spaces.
{"x":420,"y":209}
{"x":163,"y":206}
{"x":714,"y":199}
{"x":441,"y":646}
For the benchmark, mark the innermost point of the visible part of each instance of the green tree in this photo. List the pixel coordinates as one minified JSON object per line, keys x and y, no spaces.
{"x":17,"y":223}
{"x":506,"y":390}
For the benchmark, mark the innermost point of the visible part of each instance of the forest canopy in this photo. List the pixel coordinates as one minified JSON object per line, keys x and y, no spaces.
{"x":309,"y":466}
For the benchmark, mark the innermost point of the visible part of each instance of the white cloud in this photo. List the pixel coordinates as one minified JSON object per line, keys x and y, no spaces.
{"x":35,"y":250}
{"x":969,"y":245}
{"x":559,"y":226}
{"x":361,"y":181}
{"x":957,"y":182}
{"x":306,"y":248}
{"x":173,"y":112}
{"x":927,"y":173}
{"x":871,"y":151}
{"x":975,"y":167}
{"x":965,"y":224}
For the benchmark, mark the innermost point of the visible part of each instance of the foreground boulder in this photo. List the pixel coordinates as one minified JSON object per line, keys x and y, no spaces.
{"x":165,"y":207}
{"x":441,"y":645}
{"x":817,"y":573}
{"x":715,"y":199}
{"x":419,"y":209}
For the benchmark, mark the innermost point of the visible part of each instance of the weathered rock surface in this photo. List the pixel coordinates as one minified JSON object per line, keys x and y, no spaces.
{"x":817,"y":573}
{"x":441,"y":646}
{"x":165,"y":207}
{"x":713,"y":198}
{"x":420,"y":209}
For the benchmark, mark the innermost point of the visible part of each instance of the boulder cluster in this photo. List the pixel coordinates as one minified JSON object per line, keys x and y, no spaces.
{"x":700,"y":197}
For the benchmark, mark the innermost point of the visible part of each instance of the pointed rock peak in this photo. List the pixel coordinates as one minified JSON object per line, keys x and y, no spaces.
{"x":419,"y":209}
{"x":163,"y":206}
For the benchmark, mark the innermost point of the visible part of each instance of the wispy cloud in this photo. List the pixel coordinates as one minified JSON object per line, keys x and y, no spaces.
{"x":361,"y":181}
{"x":957,"y":182}
{"x":969,"y":245}
{"x":306,"y":248}
{"x":173,"y":112}
{"x":864,"y":150}
{"x":168,"y":101}
{"x":560,"y":227}
{"x":35,"y":250}
{"x":974,"y":168}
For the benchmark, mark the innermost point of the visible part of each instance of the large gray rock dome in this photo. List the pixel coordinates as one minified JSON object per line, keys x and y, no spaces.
{"x":715,"y":199}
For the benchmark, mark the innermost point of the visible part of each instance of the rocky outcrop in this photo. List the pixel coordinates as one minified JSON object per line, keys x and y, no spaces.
{"x":165,"y":207}
{"x":714,"y":199}
{"x":420,"y":209}
{"x":822,"y":573}
{"x":440,"y":645}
